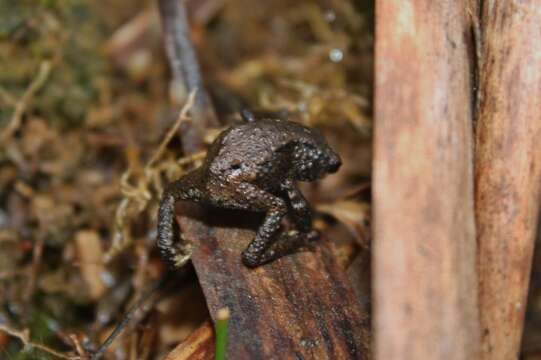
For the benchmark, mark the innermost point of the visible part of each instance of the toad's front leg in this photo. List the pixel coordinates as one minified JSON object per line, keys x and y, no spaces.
{"x":274,"y":248}
{"x":246,"y":196}
{"x":256,"y":199}
{"x":186,"y":188}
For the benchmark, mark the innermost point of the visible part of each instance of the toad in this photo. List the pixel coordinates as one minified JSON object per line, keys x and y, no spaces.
{"x":253,"y":166}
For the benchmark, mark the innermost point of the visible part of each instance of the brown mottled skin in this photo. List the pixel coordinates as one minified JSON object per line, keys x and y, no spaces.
{"x":253,"y":166}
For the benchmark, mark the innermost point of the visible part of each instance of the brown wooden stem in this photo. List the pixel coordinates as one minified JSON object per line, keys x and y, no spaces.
{"x":198,"y":346}
{"x":424,"y":233}
{"x":508,"y":169}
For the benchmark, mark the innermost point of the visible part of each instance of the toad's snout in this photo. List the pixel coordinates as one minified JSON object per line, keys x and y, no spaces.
{"x":334,"y":163}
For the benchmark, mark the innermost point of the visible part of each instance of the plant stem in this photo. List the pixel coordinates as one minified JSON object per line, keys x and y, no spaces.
{"x":222,"y":319}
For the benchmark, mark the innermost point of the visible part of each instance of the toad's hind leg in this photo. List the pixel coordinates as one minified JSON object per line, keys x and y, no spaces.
{"x":186,"y":188}
{"x":301,"y":213}
{"x":289,"y":243}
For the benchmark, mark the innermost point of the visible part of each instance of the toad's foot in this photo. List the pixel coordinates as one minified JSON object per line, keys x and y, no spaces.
{"x":290,"y":243}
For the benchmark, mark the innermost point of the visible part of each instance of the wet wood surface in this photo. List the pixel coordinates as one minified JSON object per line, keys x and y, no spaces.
{"x":508,"y":169}
{"x":301,"y":306}
{"x":200,"y":345}
{"x":425,"y":284}
{"x":298,"y":307}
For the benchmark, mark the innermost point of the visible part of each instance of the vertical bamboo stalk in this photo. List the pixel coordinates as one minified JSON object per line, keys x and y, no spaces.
{"x":424,"y":232}
{"x":508,"y":169}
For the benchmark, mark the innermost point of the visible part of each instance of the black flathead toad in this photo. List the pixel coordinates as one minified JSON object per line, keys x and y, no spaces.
{"x":253,"y":166}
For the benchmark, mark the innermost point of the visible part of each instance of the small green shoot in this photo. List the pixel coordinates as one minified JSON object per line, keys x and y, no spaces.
{"x":222,"y":320}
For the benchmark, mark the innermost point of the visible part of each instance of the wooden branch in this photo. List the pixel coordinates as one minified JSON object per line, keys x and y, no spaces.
{"x":424,"y":234}
{"x":301,"y":306}
{"x":24,"y":337}
{"x":198,"y":346}
{"x":508,"y":169}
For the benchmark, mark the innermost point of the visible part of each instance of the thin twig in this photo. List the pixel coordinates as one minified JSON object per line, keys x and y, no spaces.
{"x":22,"y":104}
{"x":129,"y":316}
{"x":200,"y":155}
{"x":37,"y":254}
{"x":135,"y":198}
{"x":24,"y":337}
{"x":186,"y":74}
{"x":183,"y":116}
{"x":180,"y":51}
{"x":78,"y":347}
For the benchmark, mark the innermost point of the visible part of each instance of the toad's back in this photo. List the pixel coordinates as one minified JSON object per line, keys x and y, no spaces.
{"x":253,"y":149}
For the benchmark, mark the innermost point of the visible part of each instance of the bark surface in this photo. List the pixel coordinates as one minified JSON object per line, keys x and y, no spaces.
{"x":425,"y":281}
{"x":508,"y":169}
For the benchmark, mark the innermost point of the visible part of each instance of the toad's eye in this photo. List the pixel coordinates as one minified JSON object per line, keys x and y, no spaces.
{"x":236,"y":164}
